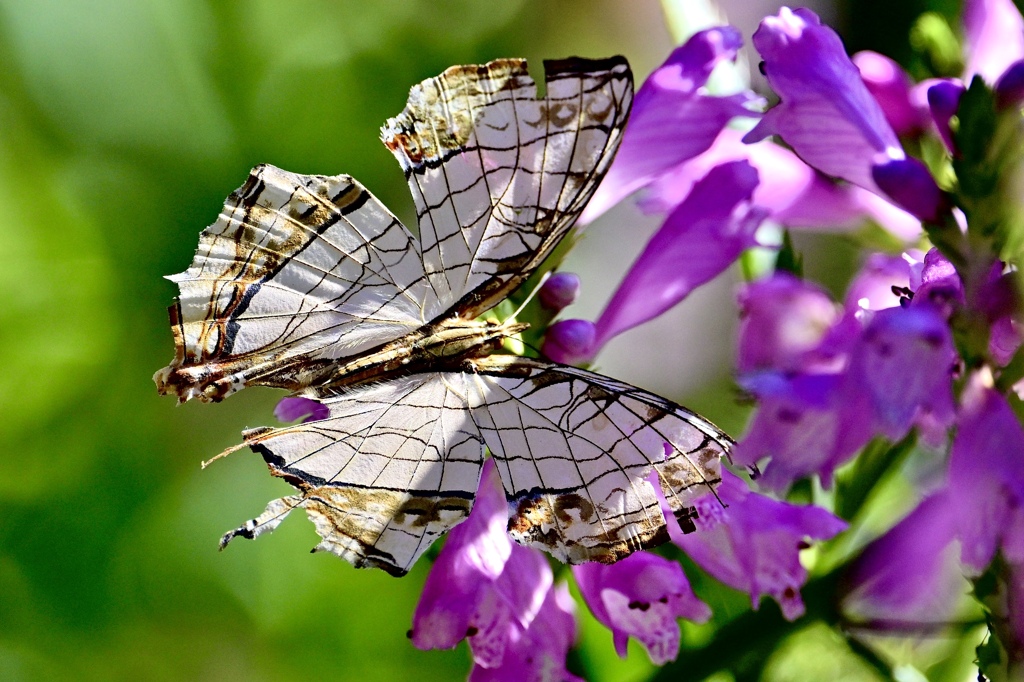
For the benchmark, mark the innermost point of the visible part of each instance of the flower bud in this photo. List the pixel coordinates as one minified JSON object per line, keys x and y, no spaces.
{"x":559,"y":291}
{"x":569,"y":341}
{"x":909,"y":184}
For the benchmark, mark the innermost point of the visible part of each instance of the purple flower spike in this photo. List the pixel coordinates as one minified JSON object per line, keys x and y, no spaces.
{"x":994,"y":37}
{"x":699,"y":239}
{"x":987,"y":466}
{"x":290,"y":409}
{"x":891,"y":87}
{"x":911,"y":186}
{"x":539,"y":653}
{"x":826,"y":114}
{"x":641,"y":596}
{"x":943,"y":101}
{"x":559,"y":291}
{"x":911,"y":574}
{"x":1010,"y":86}
{"x":754,"y":543}
{"x":783,"y":321}
{"x":570,"y":341}
{"x":904,"y":362}
{"x":673,"y":119}
{"x":482,"y":587}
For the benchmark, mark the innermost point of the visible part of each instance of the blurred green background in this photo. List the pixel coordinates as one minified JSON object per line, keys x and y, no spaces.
{"x":123,"y":125}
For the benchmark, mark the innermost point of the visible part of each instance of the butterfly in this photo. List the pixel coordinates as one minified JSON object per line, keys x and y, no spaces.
{"x":308,"y":283}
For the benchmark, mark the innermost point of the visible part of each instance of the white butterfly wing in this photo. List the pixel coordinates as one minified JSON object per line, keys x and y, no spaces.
{"x":499,"y":175}
{"x":297,"y":271}
{"x":393,"y":467}
{"x":574,"y":450}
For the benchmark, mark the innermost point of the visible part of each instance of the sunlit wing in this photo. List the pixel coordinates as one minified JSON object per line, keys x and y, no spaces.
{"x":499,"y":175}
{"x":394,"y":466}
{"x":574,"y":450}
{"x":298,"y":270}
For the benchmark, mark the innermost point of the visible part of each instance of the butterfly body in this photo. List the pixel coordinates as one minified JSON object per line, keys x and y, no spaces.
{"x":308,"y":283}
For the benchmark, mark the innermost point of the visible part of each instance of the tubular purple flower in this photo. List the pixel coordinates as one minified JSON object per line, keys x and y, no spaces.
{"x":987,"y":466}
{"x":911,"y":186}
{"x":539,"y":653}
{"x":753,"y":542}
{"x":910,"y":576}
{"x":699,"y":240}
{"x":783,"y":320}
{"x":673,"y":119}
{"x":570,"y":341}
{"x":290,"y":409}
{"x":482,"y":587}
{"x":559,"y":291}
{"x":891,"y":87}
{"x":826,"y":114}
{"x":641,"y":596}
{"x":796,"y":195}
{"x":993,"y":37}
{"x":943,"y":101}
{"x":873,"y":287}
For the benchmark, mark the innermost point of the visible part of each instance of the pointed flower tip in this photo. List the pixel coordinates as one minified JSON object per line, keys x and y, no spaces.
{"x":559,"y":291}
{"x":909,"y":184}
{"x":570,"y":341}
{"x":943,"y":102}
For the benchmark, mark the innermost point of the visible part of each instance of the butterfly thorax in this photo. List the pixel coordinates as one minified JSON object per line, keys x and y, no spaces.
{"x":450,"y":344}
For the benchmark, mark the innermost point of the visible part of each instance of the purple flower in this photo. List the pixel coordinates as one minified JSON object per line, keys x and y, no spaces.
{"x":826,"y":114}
{"x":796,"y":195}
{"x":938,"y":284}
{"x":873,"y":287}
{"x":752,"y":542}
{"x":570,"y":341}
{"x":903,"y":362}
{"x":538,"y":653}
{"x":559,"y":291}
{"x":1009,"y":88}
{"x":910,"y":184}
{"x":986,"y":474}
{"x":943,"y":102}
{"x":699,"y":240}
{"x":641,"y":596}
{"x":994,"y":37}
{"x":491,"y":591}
{"x":892,"y":88}
{"x":673,"y":119}
{"x":910,"y":575}
{"x":783,"y":321}
{"x":290,"y":409}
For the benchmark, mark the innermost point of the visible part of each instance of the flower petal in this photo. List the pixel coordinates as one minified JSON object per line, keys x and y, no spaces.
{"x":994,"y":37}
{"x":891,"y":87}
{"x":672,"y":119}
{"x":826,"y":114}
{"x":290,"y":409}
{"x":698,"y":240}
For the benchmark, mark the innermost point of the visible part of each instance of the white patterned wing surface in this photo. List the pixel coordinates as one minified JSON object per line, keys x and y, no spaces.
{"x":574,"y":450}
{"x":499,"y":175}
{"x":393,"y":467}
{"x":297,"y":271}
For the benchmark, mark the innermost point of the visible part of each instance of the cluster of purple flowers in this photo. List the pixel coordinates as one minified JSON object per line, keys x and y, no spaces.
{"x":924,"y":349}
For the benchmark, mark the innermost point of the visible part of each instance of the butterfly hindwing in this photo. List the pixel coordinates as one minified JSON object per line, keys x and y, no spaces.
{"x":498,"y":174}
{"x":298,"y":271}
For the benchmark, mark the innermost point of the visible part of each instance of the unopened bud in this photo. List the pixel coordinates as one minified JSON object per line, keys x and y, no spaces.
{"x":559,"y":291}
{"x":290,"y":409}
{"x":569,"y":341}
{"x":911,"y":186}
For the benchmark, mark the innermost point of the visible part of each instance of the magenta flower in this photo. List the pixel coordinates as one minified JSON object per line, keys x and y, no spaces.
{"x":994,"y":37}
{"x":539,"y":653}
{"x":290,"y":409}
{"x":488,"y":590}
{"x":796,"y":195}
{"x":752,"y":542}
{"x":826,"y":114}
{"x":892,"y":88}
{"x":910,"y":576}
{"x":876,"y":285}
{"x":699,"y":240}
{"x":641,"y":596}
{"x":559,"y":291}
{"x":986,"y":474}
{"x":570,"y":341}
{"x":783,"y":321}
{"x":673,"y":119}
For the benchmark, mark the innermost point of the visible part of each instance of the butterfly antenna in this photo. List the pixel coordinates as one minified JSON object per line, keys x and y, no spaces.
{"x":529,"y":297}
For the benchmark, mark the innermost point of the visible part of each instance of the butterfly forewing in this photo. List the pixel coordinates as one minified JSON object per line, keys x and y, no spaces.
{"x":499,"y":175}
{"x":297,"y":271}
